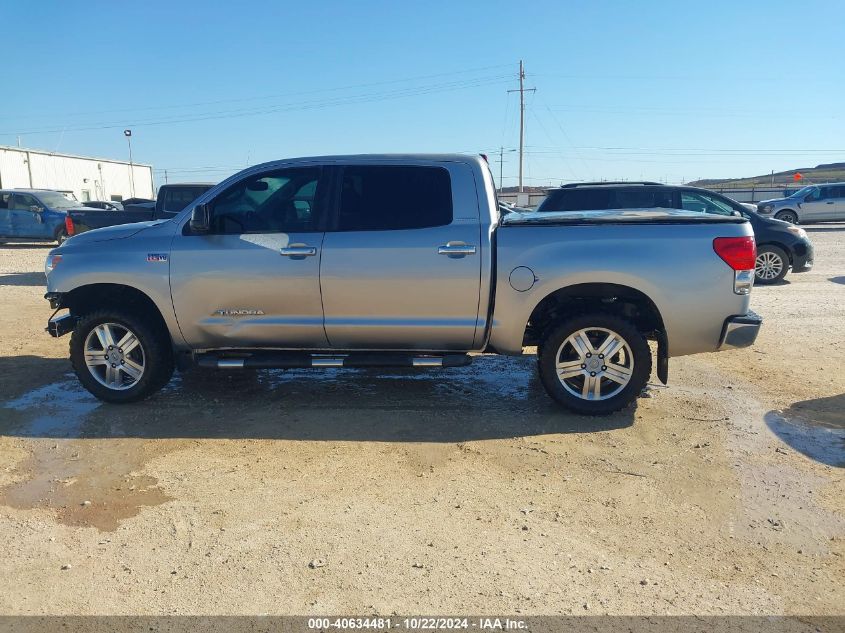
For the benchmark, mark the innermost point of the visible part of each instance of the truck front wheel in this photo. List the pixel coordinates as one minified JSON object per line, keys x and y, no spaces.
{"x":594,"y":364}
{"x":119,"y":357}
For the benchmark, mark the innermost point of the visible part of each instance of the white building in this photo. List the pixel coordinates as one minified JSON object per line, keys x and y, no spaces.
{"x":87,"y":178}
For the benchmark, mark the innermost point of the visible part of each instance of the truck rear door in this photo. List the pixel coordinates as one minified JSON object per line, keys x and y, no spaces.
{"x":401,"y":261}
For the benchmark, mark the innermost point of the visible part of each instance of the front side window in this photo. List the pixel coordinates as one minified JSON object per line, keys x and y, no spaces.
{"x":704,"y":204}
{"x":281,"y":201}
{"x":813,"y":194}
{"x":23,"y":202}
{"x":56,"y":200}
{"x":394,"y":197}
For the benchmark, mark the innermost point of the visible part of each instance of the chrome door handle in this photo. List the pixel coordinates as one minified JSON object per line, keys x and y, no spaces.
{"x":829,"y":202}
{"x":298,"y":251}
{"x":456,"y":249}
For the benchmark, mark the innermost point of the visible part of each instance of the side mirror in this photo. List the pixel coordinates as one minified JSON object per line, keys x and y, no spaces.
{"x":200,"y":219}
{"x":35,"y":208}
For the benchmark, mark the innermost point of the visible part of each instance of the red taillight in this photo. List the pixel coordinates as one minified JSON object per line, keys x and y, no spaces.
{"x":739,"y":253}
{"x":68,"y":226}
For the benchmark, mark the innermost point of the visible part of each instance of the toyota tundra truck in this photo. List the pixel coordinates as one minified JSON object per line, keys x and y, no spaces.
{"x":399,"y":261}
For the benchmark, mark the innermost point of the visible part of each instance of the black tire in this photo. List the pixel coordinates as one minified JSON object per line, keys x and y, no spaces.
{"x":554,"y":344}
{"x":155,"y":345}
{"x":778,"y":265}
{"x":787,"y":215}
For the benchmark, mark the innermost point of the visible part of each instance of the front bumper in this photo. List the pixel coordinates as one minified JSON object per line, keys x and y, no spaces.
{"x":740,"y":331}
{"x":802,"y":257}
{"x":59,"y":326}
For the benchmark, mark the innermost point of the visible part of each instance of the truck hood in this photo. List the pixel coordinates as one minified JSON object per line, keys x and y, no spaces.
{"x":117,"y":232}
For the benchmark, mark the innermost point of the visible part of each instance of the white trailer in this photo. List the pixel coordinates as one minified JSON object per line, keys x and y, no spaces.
{"x":87,"y":178}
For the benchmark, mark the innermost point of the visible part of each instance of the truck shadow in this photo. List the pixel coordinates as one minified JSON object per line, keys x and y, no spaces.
{"x":494,"y":398}
{"x":23,"y":279}
{"x":815,"y":428}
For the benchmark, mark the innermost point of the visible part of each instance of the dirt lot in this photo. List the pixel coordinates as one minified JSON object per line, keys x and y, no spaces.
{"x":461,"y":491}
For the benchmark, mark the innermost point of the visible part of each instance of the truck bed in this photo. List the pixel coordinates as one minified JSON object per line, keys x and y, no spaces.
{"x":619,"y":216}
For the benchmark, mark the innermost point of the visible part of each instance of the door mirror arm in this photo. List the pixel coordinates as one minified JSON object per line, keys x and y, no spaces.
{"x":200,"y":219}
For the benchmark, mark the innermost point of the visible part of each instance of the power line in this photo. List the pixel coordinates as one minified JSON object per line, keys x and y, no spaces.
{"x":289,"y":107}
{"x":281,"y":95}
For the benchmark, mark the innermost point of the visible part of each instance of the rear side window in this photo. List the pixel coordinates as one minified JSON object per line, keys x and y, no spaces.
{"x":394,"y":197}
{"x":642,"y":199}
{"x":576,"y":200}
{"x":177,"y":199}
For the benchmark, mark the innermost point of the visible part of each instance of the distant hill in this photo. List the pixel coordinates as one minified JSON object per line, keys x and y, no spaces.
{"x":829,"y":172}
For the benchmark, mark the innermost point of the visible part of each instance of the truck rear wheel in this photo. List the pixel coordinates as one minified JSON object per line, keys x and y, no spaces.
{"x":119,"y":357}
{"x":594,"y":364}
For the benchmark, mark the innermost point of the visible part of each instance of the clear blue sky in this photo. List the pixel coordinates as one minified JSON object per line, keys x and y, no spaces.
{"x":679,"y":90}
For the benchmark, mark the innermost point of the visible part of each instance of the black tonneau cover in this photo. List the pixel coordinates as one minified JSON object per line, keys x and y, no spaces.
{"x":619,"y":216}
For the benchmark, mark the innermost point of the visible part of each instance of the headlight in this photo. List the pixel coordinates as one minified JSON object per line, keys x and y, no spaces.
{"x":51,"y":263}
{"x":766,"y":208}
{"x":797,"y":231}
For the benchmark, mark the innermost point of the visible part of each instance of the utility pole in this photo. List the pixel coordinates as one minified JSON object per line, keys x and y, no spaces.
{"x":522,"y":90}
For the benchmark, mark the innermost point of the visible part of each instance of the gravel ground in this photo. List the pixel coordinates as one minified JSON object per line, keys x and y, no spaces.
{"x":457,"y":491}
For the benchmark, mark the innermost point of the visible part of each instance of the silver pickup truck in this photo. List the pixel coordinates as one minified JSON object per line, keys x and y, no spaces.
{"x":399,"y":261}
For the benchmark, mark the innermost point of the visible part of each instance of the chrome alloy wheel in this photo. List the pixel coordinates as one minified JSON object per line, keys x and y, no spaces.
{"x":594,"y":364}
{"x":114,"y":356}
{"x":768,"y":266}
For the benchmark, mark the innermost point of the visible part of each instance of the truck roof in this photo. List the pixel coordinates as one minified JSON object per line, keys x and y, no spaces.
{"x":337,"y":158}
{"x":187,"y":184}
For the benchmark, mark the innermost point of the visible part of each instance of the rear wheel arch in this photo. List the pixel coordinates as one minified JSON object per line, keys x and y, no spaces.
{"x":608,"y":298}
{"x":616,"y":299}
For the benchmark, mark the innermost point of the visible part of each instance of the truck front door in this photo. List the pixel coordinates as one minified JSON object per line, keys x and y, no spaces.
{"x":25,"y":217}
{"x":401,"y":263}
{"x":253,"y":280}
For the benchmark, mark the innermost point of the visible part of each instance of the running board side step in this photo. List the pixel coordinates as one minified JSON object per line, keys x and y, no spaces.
{"x":296,"y":360}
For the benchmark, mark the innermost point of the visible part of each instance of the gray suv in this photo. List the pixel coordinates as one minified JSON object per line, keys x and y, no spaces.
{"x":814,"y":203}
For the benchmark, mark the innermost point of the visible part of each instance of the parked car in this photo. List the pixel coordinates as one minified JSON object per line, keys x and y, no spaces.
{"x":780,"y":245}
{"x":107,"y":205}
{"x":814,"y":203}
{"x":35,"y":215}
{"x":365,"y":261}
{"x":171,"y":200}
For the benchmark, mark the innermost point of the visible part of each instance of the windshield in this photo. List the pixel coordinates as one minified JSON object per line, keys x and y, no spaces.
{"x":56,"y":200}
{"x":803,"y":192}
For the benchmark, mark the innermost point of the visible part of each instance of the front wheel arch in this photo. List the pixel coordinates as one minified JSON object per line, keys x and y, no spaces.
{"x":93,"y":297}
{"x":779,"y":215}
